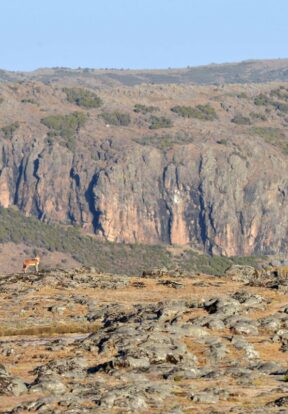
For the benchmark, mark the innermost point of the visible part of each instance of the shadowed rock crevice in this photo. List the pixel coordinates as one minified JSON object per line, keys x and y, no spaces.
{"x":91,"y":199}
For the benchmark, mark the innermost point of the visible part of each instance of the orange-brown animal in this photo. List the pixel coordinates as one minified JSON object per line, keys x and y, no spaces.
{"x":30,"y":263}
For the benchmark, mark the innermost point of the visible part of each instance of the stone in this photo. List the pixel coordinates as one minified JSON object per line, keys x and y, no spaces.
{"x":48,"y":383}
{"x":10,"y":385}
{"x":205,"y":398}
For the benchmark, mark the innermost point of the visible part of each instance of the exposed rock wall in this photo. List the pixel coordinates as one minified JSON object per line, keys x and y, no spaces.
{"x":229,"y":199}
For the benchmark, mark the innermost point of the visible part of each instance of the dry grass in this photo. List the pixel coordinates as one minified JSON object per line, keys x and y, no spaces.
{"x":48,"y":330}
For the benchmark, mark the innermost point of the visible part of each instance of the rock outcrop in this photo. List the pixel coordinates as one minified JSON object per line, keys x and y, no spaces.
{"x":216,"y":197}
{"x":214,"y":346}
{"x":213,"y":184}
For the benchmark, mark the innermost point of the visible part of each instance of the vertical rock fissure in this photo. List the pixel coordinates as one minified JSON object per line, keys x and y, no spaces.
{"x":75,"y":179}
{"x":202,"y":216}
{"x":18,"y":181}
{"x":168,"y":207}
{"x":36,"y":199}
{"x":90,"y":198}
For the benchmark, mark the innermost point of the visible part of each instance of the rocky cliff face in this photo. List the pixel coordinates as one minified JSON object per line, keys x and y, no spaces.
{"x":218,"y":185}
{"x":216,"y":197}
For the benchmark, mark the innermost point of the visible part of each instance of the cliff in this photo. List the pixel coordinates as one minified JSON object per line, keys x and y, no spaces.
{"x":214,"y":184}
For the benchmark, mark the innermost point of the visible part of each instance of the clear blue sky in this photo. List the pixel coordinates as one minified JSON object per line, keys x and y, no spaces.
{"x":139,"y":33}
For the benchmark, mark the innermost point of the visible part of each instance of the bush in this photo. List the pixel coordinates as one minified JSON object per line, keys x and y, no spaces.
{"x":268,"y":133}
{"x":241,"y":120}
{"x":280,"y":93}
{"x":83,"y":97}
{"x":65,"y":126}
{"x":8,"y":131}
{"x":160,"y":122}
{"x":203,"y":112}
{"x":273,"y":136}
{"x":116,"y":118}
{"x":29,"y":101}
{"x":262,"y":100}
{"x":143,"y":109}
{"x":258,"y":116}
{"x":164,"y":142}
{"x":242,"y":95}
{"x":282,"y":107}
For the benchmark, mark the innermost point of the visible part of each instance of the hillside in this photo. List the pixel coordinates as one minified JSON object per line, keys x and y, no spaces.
{"x":250,"y":71}
{"x":67,"y":247}
{"x":203,"y":166}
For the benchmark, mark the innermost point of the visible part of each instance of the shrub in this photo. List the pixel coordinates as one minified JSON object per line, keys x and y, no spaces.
{"x":242,"y":95}
{"x":282,"y":107}
{"x":203,"y":112}
{"x":274,"y":136}
{"x":29,"y":101}
{"x":268,"y":133}
{"x":280,"y":93}
{"x":258,"y":116}
{"x":83,"y":97}
{"x":164,"y":142}
{"x":241,"y":120}
{"x":262,"y":100}
{"x":143,"y":109}
{"x":116,"y":118}
{"x":160,"y":122}
{"x":9,"y":130}
{"x":222,"y":141}
{"x":65,"y":126}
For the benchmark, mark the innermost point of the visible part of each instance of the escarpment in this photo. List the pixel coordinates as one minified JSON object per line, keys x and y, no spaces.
{"x":208,"y":170}
{"x":221,"y":199}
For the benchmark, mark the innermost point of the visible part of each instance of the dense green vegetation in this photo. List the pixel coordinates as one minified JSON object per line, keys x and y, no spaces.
{"x":166,"y":141}
{"x":241,"y":120}
{"x":116,"y":118}
{"x":83,"y":97}
{"x":8,"y":130}
{"x":107,"y":256}
{"x":65,"y":126}
{"x":160,"y":122}
{"x":143,"y":109}
{"x":262,"y":100}
{"x":203,"y":112}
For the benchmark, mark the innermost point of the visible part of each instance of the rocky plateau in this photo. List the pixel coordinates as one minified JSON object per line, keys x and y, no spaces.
{"x":78,"y":341}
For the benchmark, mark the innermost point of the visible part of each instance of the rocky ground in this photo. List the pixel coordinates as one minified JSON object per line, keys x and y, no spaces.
{"x":77,"y":341}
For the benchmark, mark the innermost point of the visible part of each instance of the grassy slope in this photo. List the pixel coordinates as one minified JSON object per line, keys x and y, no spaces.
{"x":106,"y":256}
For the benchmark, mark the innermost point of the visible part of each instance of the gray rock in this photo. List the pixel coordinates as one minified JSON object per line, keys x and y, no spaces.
{"x":48,"y":383}
{"x":241,"y":273}
{"x":205,"y":398}
{"x":225,"y":306}
{"x":10,"y":385}
{"x":271,"y":324}
{"x":241,"y":344}
{"x":244,"y":327}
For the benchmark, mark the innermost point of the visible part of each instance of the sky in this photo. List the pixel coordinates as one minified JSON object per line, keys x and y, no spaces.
{"x":139,"y":34}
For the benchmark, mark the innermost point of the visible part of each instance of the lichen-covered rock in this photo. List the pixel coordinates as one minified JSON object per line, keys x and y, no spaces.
{"x":10,"y":385}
